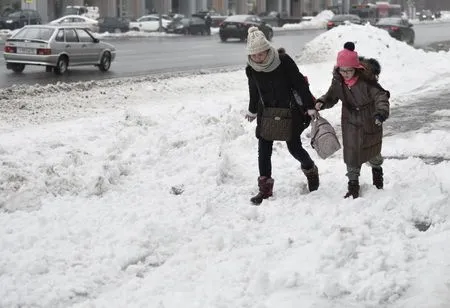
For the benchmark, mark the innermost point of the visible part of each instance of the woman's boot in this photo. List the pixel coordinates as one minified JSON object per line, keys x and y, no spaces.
{"x":377,"y":177}
{"x":312,"y":175}
{"x":353,"y":189}
{"x":265,"y":184}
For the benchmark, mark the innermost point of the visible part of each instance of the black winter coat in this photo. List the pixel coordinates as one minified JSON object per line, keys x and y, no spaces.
{"x":276,"y":91}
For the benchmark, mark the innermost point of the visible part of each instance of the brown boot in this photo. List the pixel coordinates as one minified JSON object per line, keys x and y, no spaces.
{"x":353,"y":189}
{"x":265,"y":184}
{"x":377,"y":177}
{"x":312,"y":175}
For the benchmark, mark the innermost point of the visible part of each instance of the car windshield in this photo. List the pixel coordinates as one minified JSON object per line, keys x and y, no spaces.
{"x":34,"y":34}
{"x":389,"y":21}
{"x":16,"y":14}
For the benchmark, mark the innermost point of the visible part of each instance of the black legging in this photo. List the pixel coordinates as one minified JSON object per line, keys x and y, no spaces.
{"x":294,"y":147}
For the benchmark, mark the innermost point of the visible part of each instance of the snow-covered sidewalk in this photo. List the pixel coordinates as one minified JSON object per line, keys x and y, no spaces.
{"x":136,"y":195}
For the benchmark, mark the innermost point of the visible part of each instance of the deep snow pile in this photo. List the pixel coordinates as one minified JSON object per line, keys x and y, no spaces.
{"x":399,"y":61}
{"x":317,"y":22}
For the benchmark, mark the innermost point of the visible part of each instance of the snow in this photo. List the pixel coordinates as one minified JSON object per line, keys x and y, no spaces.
{"x":135,"y":193}
{"x":317,"y":22}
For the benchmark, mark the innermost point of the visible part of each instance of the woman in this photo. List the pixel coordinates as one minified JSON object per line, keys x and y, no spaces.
{"x":365,"y":106}
{"x":272,"y":77}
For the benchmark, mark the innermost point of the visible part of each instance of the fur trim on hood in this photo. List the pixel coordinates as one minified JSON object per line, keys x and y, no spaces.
{"x":372,"y":68}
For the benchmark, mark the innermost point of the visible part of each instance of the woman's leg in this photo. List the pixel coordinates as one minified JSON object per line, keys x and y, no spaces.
{"x":308,"y":167}
{"x":296,"y":149}
{"x":265,"y":157}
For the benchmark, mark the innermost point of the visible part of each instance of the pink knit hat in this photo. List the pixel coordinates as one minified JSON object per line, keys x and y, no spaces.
{"x":348,"y":57}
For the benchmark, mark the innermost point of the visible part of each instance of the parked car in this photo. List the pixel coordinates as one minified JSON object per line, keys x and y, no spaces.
{"x":20,"y":18}
{"x":277,"y":19}
{"x":113,"y":24}
{"x":236,"y":26}
{"x":56,"y":47}
{"x":339,"y":19}
{"x":216,"y":18}
{"x":398,"y":28}
{"x":149,"y":23}
{"x":77,"y":21}
{"x":193,"y":25}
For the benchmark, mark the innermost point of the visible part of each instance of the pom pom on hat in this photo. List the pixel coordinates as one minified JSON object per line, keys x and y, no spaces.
{"x":349,"y":46}
{"x":256,"y":41}
{"x":348,"y":57}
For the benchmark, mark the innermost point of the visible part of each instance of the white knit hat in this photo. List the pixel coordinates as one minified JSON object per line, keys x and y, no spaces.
{"x":256,"y":41}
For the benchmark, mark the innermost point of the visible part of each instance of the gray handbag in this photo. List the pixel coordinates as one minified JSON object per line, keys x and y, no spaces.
{"x":323,"y":138}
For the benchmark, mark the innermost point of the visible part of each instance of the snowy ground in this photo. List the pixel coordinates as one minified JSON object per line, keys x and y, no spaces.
{"x":135,"y":194}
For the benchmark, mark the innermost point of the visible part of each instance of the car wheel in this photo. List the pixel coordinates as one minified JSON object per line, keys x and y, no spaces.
{"x":223,"y":38}
{"x":105,"y":62}
{"x":18,"y":68}
{"x":135,"y":29}
{"x":61,"y":66}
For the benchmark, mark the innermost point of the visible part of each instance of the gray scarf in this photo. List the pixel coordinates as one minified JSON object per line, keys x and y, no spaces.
{"x":271,"y":63}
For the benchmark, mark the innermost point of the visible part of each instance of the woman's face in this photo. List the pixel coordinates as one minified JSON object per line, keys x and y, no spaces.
{"x":347,"y":72}
{"x":259,"y":57}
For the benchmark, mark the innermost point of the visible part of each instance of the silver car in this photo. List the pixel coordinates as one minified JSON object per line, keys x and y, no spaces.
{"x":56,"y":47}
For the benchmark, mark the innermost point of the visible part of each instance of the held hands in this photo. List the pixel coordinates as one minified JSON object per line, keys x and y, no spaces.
{"x":250,"y":116}
{"x":313,"y":113}
{"x":318,"y":105}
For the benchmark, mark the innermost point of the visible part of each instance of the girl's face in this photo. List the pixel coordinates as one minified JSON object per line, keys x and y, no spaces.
{"x":347,"y":72}
{"x":259,"y":57}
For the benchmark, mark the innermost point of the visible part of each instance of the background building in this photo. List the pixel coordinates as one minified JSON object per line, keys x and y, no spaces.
{"x":51,"y":9}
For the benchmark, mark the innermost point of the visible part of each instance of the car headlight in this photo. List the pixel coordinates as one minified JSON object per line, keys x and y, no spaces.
{"x":180,"y":27}
{"x":9,"y":21}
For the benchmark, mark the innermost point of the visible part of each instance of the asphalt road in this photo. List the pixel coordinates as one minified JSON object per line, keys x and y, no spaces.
{"x":150,"y":55}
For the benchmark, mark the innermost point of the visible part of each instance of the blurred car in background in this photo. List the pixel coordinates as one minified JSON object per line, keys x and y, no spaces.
{"x":277,"y":19}
{"x":56,"y":47}
{"x":77,"y":21}
{"x":150,"y":23}
{"x":338,"y":20}
{"x":20,"y":18}
{"x":113,"y":24}
{"x":193,"y":25}
{"x":399,"y":28}
{"x":425,"y":15}
{"x":216,"y":18}
{"x":236,"y":26}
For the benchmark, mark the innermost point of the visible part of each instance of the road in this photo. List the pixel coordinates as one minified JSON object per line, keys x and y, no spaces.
{"x":150,"y":55}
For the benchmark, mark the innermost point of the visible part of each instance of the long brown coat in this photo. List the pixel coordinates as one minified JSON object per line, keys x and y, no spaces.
{"x":361,"y":137}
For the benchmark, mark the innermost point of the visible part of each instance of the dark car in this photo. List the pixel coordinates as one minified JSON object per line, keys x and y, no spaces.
{"x":193,"y":25}
{"x":338,"y":20}
{"x":425,"y":15}
{"x":20,"y":18}
{"x":236,"y":26}
{"x":398,"y":28}
{"x":113,"y":24}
